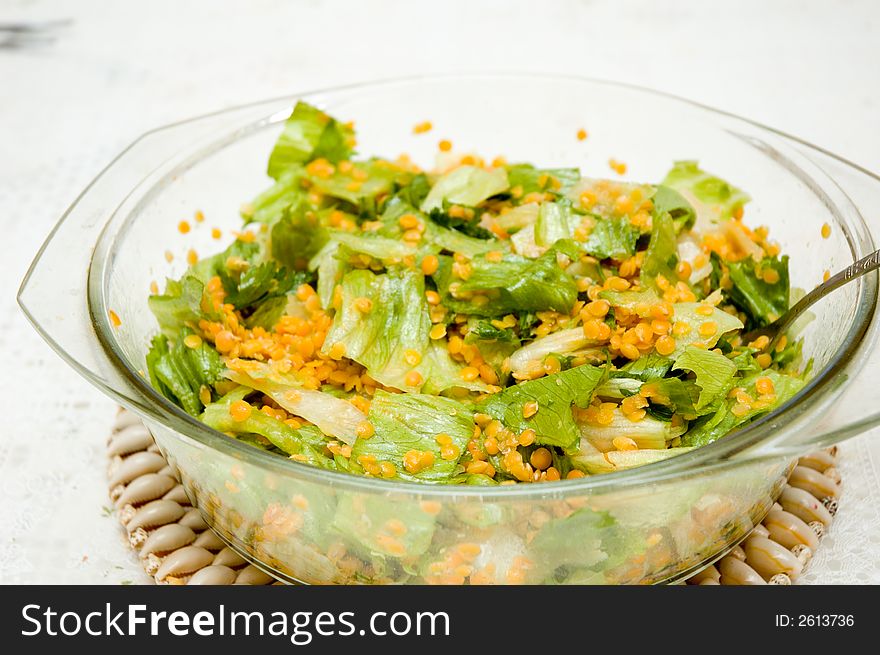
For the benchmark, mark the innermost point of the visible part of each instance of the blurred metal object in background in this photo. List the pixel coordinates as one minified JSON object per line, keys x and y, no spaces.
{"x":16,"y":35}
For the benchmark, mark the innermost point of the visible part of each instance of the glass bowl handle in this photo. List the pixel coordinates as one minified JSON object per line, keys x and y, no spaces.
{"x":54,"y":292}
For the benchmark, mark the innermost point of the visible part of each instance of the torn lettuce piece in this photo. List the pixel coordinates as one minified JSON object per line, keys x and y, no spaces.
{"x":751,"y":292}
{"x":180,"y":305}
{"x":528,"y":362}
{"x":612,"y":238}
{"x":618,"y":460}
{"x":515,"y":284}
{"x":714,"y":372}
{"x":249,"y":288}
{"x":713,"y":199}
{"x":465,"y":185}
{"x":670,"y":396}
{"x":689,"y":313}
{"x":661,"y":257}
{"x":714,"y":426}
{"x":366,"y":521}
{"x":278,"y":433}
{"x":333,"y":416}
{"x":565,"y":547}
{"x":296,"y":237}
{"x":638,"y":302}
{"x":397,"y":322}
{"x":412,"y":422}
{"x":331,"y":264}
{"x":555,"y":221}
{"x":308,"y":134}
{"x":360,"y":185}
{"x":647,"y":367}
{"x":269,"y":206}
{"x":667,"y":200}
{"x":435,"y":237}
{"x":554,"y":422}
{"x":519,"y":217}
{"x":647,"y":433}
{"x":391,"y":339}
{"x":529,"y":179}
{"x":375,"y":245}
{"x":181,"y":373}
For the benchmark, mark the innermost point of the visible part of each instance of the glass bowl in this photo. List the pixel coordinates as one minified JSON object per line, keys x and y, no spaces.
{"x":652,"y":524}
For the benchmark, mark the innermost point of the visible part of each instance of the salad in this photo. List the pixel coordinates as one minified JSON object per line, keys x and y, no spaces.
{"x":480,"y":323}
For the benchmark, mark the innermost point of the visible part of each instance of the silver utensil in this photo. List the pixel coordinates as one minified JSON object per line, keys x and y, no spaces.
{"x":778,"y":327}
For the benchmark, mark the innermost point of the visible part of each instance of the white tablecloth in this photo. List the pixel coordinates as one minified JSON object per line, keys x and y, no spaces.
{"x":121,"y":68}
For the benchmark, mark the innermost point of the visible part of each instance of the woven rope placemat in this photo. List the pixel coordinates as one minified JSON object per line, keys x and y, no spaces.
{"x":176,"y":546}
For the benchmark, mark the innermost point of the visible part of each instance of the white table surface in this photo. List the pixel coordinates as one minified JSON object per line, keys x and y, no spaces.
{"x":121,"y":68}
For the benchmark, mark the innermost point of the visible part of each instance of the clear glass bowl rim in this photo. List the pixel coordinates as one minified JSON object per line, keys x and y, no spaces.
{"x":711,"y":458}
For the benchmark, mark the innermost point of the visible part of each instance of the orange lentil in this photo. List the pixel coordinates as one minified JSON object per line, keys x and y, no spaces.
{"x":770,"y":276}
{"x":764,"y":386}
{"x":527,"y":437}
{"x":598,"y":308}
{"x":445,"y":145}
{"x":183,"y":227}
{"x":192,"y":257}
{"x":529,"y":409}
{"x":581,"y":134}
{"x":624,"y":443}
{"x":240,"y":411}
{"x":541,"y":459}
{"x":421,"y":128}
{"x":575,"y":474}
{"x":708,"y":328}
{"x":630,"y":351}
{"x":216,"y":233}
{"x":412,"y":357}
{"x":764,"y":360}
{"x":365,"y":430}
{"x":683,"y":270}
{"x":469,"y":373}
{"x":154,"y":288}
{"x":665,"y":345}
{"x":363,"y":305}
{"x":430,"y":264}
{"x":438,"y":331}
{"x":192,"y":341}
{"x":408,"y":222}
{"x":413,"y":379}
{"x":114,"y":318}
{"x":826,"y":230}
{"x":432,"y":297}
{"x":705,"y":310}
{"x":826,"y":276}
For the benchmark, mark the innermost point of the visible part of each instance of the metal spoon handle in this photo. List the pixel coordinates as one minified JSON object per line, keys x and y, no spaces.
{"x":857,"y":269}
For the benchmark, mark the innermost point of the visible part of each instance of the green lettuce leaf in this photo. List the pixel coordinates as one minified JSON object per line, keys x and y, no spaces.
{"x":763,"y":302}
{"x":612,"y":238}
{"x":555,"y":394}
{"x":713,"y":370}
{"x":555,"y":221}
{"x":180,"y":372}
{"x":365,"y":520}
{"x":333,"y":416}
{"x":309,"y":134}
{"x":296,"y":237}
{"x":270,"y":205}
{"x":405,"y":422}
{"x":179,"y":305}
{"x":465,"y":185}
{"x":515,"y":284}
{"x":714,"y":426}
{"x":662,"y":254}
{"x":530,"y":179}
{"x":397,"y":322}
{"x":686,"y":312}
{"x":667,"y":200}
{"x":712,"y":198}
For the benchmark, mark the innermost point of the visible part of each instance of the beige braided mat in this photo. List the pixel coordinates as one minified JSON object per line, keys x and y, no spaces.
{"x":176,"y":546}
